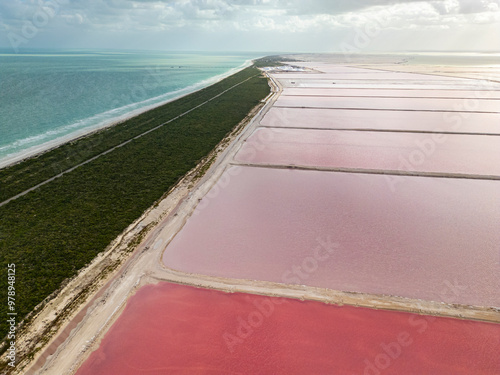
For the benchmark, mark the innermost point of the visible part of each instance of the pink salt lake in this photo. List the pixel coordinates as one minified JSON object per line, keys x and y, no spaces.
{"x":381,"y":103}
{"x":394,"y":93}
{"x":387,"y":151}
{"x":418,"y":237}
{"x":476,"y":123}
{"x":176,"y":329}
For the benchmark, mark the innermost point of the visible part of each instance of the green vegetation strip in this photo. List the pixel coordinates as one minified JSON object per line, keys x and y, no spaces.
{"x":117,"y":146}
{"x":58,"y":228}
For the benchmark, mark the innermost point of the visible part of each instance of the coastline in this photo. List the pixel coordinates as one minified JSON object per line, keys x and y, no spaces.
{"x":34,"y":151}
{"x":127,"y":250}
{"x":165,"y":168}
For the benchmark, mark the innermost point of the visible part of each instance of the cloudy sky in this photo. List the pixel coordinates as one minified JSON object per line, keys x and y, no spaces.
{"x":253,"y":25}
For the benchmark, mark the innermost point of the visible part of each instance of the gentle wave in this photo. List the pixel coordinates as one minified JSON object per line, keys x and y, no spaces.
{"x":35,"y":144}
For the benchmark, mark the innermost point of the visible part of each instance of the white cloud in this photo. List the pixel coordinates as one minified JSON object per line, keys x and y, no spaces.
{"x":465,"y":6}
{"x":280,"y":23}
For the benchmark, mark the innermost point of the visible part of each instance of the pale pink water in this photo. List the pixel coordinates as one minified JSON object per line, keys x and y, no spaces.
{"x":396,"y":93}
{"x":174,"y":329}
{"x":428,"y":238}
{"x":367,"y":75}
{"x":305,"y":82}
{"x":387,"y":151}
{"x":374,"y":103}
{"x":383,"y":120}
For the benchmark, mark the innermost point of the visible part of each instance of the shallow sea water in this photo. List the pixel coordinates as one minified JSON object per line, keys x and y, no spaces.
{"x":50,"y":95}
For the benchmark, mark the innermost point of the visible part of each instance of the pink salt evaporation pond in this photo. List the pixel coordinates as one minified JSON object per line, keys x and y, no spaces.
{"x":395,"y":93}
{"x":386,"y":151}
{"x":383,"y":120}
{"x":306,"y":82}
{"x":407,"y":104}
{"x":173,"y":329}
{"x":370,"y":75}
{"x":428,"y":238}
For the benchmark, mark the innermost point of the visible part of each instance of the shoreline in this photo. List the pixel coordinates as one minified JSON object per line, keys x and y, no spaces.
{"x":45,"y":319}
{"x":170,"y":212}
{"x":35,"y":151}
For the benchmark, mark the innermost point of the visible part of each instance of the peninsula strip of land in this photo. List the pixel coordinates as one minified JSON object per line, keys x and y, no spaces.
{"x":62,"y":208}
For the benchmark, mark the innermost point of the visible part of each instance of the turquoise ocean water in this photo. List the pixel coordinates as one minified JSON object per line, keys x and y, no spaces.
{"x":48,"y":97}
